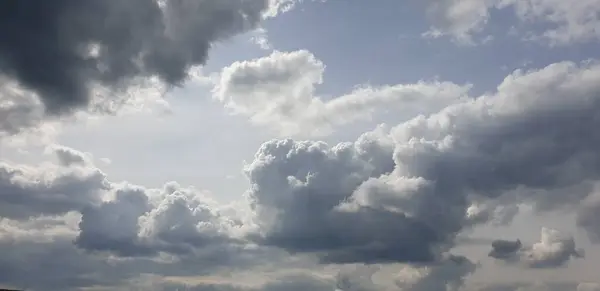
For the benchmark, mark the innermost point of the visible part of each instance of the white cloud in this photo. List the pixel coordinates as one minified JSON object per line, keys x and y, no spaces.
{"x":395,"y":195}
{"x":279,"y":91}
{"x":567,"y":21}
{"x":559,"y":22}
{"x":458,"y":18}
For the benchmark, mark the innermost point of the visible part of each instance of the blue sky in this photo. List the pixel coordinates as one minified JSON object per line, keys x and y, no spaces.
{"x":463,"y":122}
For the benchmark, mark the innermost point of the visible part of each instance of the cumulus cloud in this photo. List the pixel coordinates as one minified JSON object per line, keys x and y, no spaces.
{"x":94,"y":232}
{"x":553,"y":250}
{"x":405,"y":195}
{"x":397,"y":194}
{"x":112,"y":42}
{"x":145,"y":222}
{"x":27,"y":192}
{"x":279,"y":91}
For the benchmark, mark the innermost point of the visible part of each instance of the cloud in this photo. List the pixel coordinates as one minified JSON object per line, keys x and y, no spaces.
{"x":68,"y":217}
{"x":460,"y":19}
{"x":553,"y":250}
{"x":557,"y":22}
{"x":69,"y":55}
{"x":67,"y":156}
{"x":447,"y":275}
{"x":19,"y":109}
{"x":397,"y":194}
{"x":279,"y":91}
{"x":505,"y":249}
{"x":547,"y":286}
{"x":298,"y":282}
{"x":49,"y":190}
{"x":147,"y":222}
{"x":568,"y":22}
{"x":587,"y":216}
{"x":404,"y":195}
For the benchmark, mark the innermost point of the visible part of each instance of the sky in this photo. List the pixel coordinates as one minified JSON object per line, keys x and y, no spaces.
{"x":329,"y":145}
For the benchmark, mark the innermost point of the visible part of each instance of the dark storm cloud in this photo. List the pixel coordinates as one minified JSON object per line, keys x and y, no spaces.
{"x":60,"y":48}
{"x":505,"y":249}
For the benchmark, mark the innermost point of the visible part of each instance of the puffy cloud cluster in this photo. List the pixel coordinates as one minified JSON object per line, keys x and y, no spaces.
{"x":51,"y":213}
{"x":279,"y":91}
{"x":49,"y":190}
{"x":553,"y":250}
{"x":397,"y":194}
{"x":178,"y":221}
{"x":404,"y":196}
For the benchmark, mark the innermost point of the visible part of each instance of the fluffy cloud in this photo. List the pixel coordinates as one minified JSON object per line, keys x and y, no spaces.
{"x":553,"y":250}
{"x":101,"y":56}
{"x":28,"y":192}
{"x":97,"y":232}
{"x":279,"y":91}
{"x":562,"y":22}
{"x":404,"y":196}
{"x":111,"y":42}
{"x":399,"y":194}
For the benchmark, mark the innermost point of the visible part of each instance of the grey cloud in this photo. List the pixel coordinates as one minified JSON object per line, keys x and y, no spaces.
{"x":505,"y":249}
{"x":357,"y":279}
{"x":394,"y":195}
{"x":297,"y":185}
{"x":41,"y":262}
{"x":553,"y":250}
{"x":533,"y":138}
{"x":286,"y":283}
{"x":448,"y":274}
{"x":113,"y":225}
{"x":548,"y":286}
{"x":588,"y":218}
{"x":19,"y":109}
{"x":27,"y":192}
{"x":119,"y":218}
{"x":69,"y":157}
{"x":60,"y":49}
